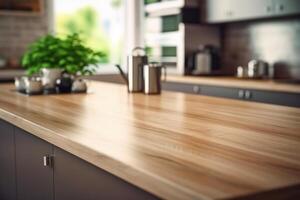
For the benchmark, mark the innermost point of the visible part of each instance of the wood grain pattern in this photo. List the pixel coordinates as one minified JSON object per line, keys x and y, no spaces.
{"x":269,"y":85}
{"x":176,"y":146}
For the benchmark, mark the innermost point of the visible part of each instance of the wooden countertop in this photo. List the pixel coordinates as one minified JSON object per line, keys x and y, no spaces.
{"x":258,"y":84}
{"x":175,"y":145}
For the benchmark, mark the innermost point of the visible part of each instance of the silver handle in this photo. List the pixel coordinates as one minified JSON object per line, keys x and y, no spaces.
{"x":196,"y":89}
{"x":248,"y":94}
{"x":241,"y":94}
{"x":281,"y":7}
{"x":47,"y":160}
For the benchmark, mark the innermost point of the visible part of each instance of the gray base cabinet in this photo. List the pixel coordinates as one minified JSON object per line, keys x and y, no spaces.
{"x":76,"y":179}
{"x":7,"y":162}
{"x":278,"y":98}
{"x":34,"y":180}
{"x":33,"y":169}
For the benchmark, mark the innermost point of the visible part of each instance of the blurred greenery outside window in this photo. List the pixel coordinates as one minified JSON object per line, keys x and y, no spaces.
{"x":100,"y":24}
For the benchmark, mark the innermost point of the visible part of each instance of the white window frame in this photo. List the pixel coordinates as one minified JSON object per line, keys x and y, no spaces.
{"x":134,"y":27}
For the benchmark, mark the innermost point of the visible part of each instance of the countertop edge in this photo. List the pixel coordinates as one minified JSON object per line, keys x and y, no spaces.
{"x":264,"y":85}
{"x":162,"y":188}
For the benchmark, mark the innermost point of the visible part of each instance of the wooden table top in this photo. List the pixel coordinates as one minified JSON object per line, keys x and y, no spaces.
{"x":258,"y":84}
{"x":174,"y":145}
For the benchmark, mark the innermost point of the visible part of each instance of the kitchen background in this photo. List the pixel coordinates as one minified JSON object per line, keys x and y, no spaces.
{"x":175,"y":29}
{"x":276,"y":41}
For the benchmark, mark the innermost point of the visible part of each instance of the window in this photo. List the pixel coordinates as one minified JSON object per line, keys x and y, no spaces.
{"x":99,"y":22}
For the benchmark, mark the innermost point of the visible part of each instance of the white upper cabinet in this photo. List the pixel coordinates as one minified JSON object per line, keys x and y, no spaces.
{"x":218,"y":11}
{"x":286,"y":7}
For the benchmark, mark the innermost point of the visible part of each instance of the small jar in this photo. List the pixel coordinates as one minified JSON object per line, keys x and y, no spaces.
{"x":33,"y":85}
{"x":242,"y":72}
{"x":64,"y":84}
{"x":20,"y":83}
{"x":79,"y":86}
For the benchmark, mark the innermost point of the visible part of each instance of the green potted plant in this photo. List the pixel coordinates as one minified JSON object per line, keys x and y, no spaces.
{"x":51,"y":55}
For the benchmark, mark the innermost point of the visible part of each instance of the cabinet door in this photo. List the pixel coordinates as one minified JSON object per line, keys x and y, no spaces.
{"x":34,"y":180}
{"x":216,"y":10}
{"x":76,"y":179}
{"x":181,"y":87}
{"x":252,"y":9}
{"x":235,"y":10}
{"x":286,"y":7}
{"x":224,"y":92}
{"x":7,"y":162}
{"x":279,"y":98}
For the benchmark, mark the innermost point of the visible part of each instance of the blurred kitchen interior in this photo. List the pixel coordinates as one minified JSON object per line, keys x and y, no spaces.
{"x":198,"y":38}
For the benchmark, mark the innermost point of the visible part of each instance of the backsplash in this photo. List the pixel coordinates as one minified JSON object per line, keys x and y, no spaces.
{"x":17,"y":31}
{"x":276,"y":41}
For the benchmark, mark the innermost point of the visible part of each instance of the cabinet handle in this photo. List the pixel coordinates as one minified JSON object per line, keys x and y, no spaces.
{"x":196,"y":89}
{"x":248,"y":94}
{"x":241,"y":94}
{"x":281,"y":7}
{"x":47,"y":160}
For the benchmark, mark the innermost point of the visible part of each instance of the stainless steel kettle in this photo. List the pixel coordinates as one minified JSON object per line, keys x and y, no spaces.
{"x":135,"y":63}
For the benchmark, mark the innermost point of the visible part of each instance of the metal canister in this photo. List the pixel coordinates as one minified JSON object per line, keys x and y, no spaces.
{"x":152,"y":78}
{"x":135,"y":65}
{"x":34,"y":85}
{"x":258,"y":69}
{"x":20,"y":83}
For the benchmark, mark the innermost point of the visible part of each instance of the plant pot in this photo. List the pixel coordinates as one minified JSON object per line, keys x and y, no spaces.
{"x":49,"y":77}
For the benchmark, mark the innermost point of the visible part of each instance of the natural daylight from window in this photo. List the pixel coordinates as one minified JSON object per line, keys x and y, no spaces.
{"x":100,"y":24}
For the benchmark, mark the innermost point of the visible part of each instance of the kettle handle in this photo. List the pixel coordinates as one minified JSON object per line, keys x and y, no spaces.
{"x":138,"y":48}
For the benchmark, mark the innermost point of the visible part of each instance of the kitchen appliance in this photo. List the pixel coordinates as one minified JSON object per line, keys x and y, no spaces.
{"x":203,"y":61}
{"x":135,"y":63}
{"x":258,"y":69}
{"x":152,"y":78}
{"x":173,"y":31}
